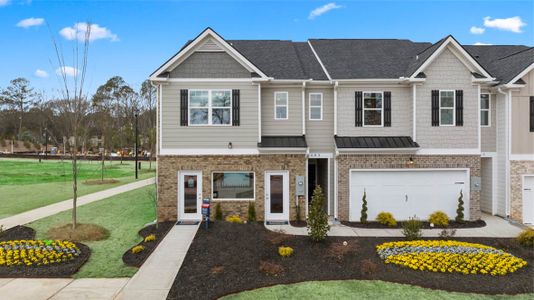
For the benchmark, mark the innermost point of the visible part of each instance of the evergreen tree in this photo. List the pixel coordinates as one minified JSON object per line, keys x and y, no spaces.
{"x":317,"y":218}
{"x":460,"y":210}
{"x":363,"y":216}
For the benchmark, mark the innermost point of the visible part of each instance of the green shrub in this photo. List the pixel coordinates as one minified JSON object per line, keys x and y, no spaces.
{"x":411,"y":229}
{"x":150,"y":238}
{"x":138,"y":249}
{"x":363,"y":215}
{"x":526,"y":237}
{"x":439,"y":218}
{"x":317,"y":218}
{"x":218,"y":212}
{"x":386,"y":218}
{"x":234,"y":219}
{"x":251,"y":212}
{"x":285,"y":251}
{"x":460,"y":210}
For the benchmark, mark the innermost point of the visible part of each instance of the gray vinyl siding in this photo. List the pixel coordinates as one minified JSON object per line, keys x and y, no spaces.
{"x":176,"y":136}
{"x":500,"y":193}
{"x":401,"y":112}
{"x":489,"y":134}
{"x":487,"y":184}
{"x":210,"y":65}
{"x":522,"y":138}
{"x":293,"y":124}
{"x":320,"y":134}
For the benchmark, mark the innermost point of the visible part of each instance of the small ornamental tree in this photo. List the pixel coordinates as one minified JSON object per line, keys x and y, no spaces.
{"x":460,"y":210}
{"x":317,"y":218}
{"x":251,"y":212}
{"x":363,"y":216}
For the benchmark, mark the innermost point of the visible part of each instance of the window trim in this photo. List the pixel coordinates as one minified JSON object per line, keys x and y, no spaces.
{"x":286,"y":105}
{"x":314,"y":106}
{"x":209,"y":107}
{"x":233,"y":199}
{"x":370,"y":109}
{"x":486,"y":109}
{"x":448,"y":108}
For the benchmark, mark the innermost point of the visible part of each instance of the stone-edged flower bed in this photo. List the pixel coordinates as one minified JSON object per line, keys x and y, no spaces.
{"x":230,"y":258}
{"x":22,"y":256}
{"x":425,"y":224}
{"x":142,"y":251}
{"x":449,"y":256}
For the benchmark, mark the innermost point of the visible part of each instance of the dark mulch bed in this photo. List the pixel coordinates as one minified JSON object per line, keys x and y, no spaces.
{"x":137,"y":259}
{"x":226,"y":259}
{"x":298,"y":223}
{"x":59,"y":270}
{"x":426,"y":225}
{"x":18,"y":233}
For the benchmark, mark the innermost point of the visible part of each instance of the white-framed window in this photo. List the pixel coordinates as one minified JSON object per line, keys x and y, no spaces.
{"x":315,"y":106}
{"x":485,"y":110}
{"x":210,"y":107}
{"x":373,"y":109}
{"x":233,"y":185}
{"x":281,"y":105}
{"x":447,"y":108}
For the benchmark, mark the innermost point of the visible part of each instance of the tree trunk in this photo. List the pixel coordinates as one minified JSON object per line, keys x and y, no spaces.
{"x":74,"y":184}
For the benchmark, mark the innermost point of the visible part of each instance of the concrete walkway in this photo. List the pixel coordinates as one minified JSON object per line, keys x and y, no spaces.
{"x":156,"y":276}
{"x":495,"y":227}
{"x":52,"y":209}
{"x":152,"y":282}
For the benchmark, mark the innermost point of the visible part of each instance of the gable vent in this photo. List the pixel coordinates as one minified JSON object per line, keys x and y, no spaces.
{"x":210,"y":45}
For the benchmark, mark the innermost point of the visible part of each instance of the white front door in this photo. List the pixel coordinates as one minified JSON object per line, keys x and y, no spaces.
{"x":276,"y":196}
{"x":528,"y":199}
{"x":189,"y":195}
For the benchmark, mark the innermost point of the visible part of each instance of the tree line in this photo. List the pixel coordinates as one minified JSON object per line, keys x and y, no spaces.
{"x":107,"y":117}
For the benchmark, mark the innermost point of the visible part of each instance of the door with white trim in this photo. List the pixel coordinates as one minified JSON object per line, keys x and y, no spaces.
{"x":189,"y":195}
{"x":528,"y":199}
{"x":276,"y":195}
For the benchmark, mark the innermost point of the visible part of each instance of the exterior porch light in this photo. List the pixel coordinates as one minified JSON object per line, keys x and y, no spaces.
{"x":230,"y":145}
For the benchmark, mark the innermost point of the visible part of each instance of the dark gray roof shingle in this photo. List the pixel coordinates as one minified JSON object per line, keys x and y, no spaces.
{"x":503,"y":62}
{"x":367,"y":142}
{"x":298,"y":141}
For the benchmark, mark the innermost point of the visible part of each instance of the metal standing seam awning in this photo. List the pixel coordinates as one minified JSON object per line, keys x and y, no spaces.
{"x":375,"y":142}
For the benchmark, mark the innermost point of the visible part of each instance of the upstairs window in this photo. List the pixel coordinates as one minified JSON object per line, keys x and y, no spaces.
{"x":210,"y":107}
{"x":446,"y":108}
{"x":485,"y":108}
{"x":373,"y":113}
{"x":316,"y":106}
{"x":281,"y":105}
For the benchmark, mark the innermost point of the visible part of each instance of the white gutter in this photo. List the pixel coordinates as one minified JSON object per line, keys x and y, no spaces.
{"x":303,"y":108}
{"x":335,"y":107}
{"x":506,"y":151}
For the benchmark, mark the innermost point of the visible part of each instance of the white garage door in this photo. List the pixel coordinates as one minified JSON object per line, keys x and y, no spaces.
{"x":408,"y":192}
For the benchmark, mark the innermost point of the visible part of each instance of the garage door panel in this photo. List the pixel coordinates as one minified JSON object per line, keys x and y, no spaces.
{"x":406,"y":193}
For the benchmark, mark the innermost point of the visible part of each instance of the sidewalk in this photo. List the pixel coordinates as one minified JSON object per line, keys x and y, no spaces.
{"x":38,"y":213}
{"x":495,"y":227}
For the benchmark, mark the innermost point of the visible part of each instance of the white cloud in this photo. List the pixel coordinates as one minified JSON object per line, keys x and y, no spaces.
{"x":481,"y":44}
{"x":30,"y":22}
{"x":322,"y":10}
{"x":78,"y":31}
{"x":512,"y":24}
{"x":4,"y":2}
{"x":69,"y":71}
{"x":40,"y":73}
{"x":477,"y":30}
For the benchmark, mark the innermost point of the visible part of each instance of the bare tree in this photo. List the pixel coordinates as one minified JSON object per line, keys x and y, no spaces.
{"x":74,"y":105}
{"x":148,"y":94}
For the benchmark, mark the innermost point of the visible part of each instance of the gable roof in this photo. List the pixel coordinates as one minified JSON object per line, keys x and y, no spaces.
{"x":504,"y":62}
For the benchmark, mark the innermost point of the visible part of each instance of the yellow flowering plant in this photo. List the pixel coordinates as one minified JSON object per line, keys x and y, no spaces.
{"x":36,"y":252}
{"x":449,"y":256}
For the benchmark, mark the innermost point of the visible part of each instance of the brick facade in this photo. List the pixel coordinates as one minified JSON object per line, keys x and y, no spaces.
{"x":517,"y":169}
{"x":347,"y":161}
{"x":168,"y":167}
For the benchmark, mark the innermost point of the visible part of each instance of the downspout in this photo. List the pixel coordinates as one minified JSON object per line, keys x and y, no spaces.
{"x":336,"y":83}
{"x":506,"y":151}
{"x":414,"y":112}
{"x":304,"y":108}
{"x":259,"y":112}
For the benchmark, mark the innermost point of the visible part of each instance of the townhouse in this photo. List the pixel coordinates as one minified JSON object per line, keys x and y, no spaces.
{"x":414,"y":125}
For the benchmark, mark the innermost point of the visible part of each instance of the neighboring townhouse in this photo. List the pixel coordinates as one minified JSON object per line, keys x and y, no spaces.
{"x":414,"y":125}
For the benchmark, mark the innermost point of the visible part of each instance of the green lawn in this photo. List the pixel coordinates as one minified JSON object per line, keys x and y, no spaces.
{"x":123,"y":215}
{"x":357,"y":289}
{"x":26,"y":184}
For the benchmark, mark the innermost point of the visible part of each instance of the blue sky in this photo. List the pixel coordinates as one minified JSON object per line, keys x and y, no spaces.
{"x":133,"y":38}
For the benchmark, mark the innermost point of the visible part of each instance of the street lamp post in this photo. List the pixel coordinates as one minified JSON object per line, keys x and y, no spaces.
{"x":136,"y":145}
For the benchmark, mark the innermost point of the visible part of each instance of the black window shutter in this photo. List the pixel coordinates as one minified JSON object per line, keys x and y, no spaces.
{"x":387,"y":109}
{"x":184,"y":107}
{"x":435,"y":107}
{"x":235,"y":108}
{"x":460,"y":108}
{"x":531,"y":113}
{"x":358,"y":105}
